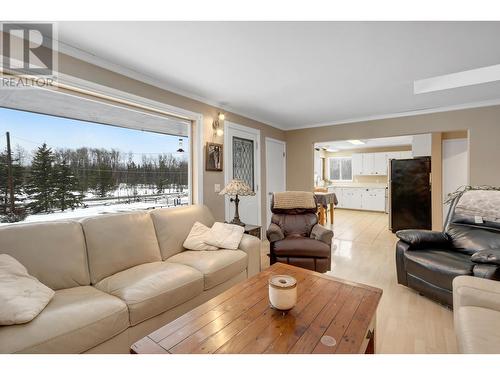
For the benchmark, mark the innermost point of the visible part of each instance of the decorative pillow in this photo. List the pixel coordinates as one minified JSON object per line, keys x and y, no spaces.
{"x":22,"y":296}
{"x":197,"y":238}
{"x":225,"y":236}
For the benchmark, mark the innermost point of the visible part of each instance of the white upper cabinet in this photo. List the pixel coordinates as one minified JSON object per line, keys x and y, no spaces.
{"x":380,"y":163}
{"x":368,"y":164}
{"x":357,"y":164}
{"x":375,"y":163}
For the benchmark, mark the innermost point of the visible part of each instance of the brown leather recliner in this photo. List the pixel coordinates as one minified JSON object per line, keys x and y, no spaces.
{"x":295,"y":236}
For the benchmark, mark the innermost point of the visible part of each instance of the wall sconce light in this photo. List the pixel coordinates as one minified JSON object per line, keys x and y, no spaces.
{"x":218,"y":124}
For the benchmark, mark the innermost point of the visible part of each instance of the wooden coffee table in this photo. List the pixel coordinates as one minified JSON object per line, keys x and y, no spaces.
{"x":331,"y":316}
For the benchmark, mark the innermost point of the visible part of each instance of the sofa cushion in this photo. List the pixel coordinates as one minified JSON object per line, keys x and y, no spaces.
{"x":216,"y":266}
{"x":53,"y":252}
{"x":225,"y":236}
{"x":118,"y":242}
{"x":22,"y":296}
{"x":478,"y":330}
{"x":76,"y":320}
{"x":152,"y":288}
{"x":197,"y":238}
{"x":438,"y":266}
{"x":173,"y":225}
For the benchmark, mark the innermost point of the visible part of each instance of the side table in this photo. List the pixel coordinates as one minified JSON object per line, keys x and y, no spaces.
{"x":253,"y":230}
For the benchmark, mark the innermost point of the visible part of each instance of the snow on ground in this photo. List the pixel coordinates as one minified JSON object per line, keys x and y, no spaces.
{"x":95,"y":210}
{"x":128,"y":190}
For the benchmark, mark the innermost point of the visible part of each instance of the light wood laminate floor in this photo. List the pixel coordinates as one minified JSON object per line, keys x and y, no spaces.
{"x":364,"y":251}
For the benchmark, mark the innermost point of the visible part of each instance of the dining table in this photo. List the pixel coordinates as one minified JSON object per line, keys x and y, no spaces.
{"x":325,"y":200}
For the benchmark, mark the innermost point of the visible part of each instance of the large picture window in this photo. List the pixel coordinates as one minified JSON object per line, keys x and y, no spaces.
{"x":63,"y":168}
{"x":340,"y":168}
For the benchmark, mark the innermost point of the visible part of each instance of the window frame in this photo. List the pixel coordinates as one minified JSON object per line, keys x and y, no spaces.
{"x":78,"y":86}
{"x":340,"y":168}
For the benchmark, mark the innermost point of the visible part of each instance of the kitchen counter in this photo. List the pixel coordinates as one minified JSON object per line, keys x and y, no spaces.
{"x":359,"y":185}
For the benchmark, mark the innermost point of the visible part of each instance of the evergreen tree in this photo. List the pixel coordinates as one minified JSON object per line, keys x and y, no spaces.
{"x":103,"y":180}
{"x":66,"y":187}
{"x":40,"y":185}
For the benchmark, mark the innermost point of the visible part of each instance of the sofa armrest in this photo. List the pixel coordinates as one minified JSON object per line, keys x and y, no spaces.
{"x":251,"y":245}
{"x":322,"y":234}
{"x":491,"y":256}
{"x":421,"y":239}
{"x":274,"y":233}
{"x":476,"y":292}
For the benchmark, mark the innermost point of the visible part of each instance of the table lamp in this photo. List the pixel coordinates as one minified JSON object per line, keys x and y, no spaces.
{"x":234,"y":188}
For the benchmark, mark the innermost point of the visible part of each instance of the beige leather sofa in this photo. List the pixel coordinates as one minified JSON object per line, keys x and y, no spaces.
{"x":476,"y":309}
{"x":117,"y":277}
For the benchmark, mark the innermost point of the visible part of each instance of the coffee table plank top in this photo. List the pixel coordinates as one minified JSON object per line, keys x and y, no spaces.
{"x":240,"y":320}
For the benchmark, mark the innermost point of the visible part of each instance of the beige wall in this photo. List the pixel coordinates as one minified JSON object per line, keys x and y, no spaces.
{"x":80,"y":69}
{"x":483,"y":125}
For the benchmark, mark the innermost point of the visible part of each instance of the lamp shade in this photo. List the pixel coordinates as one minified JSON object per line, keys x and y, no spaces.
{"x":237,"y":187}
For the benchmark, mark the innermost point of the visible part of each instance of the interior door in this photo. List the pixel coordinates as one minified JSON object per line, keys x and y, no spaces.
{"x":243,"y":162}
{"x":275,"y":171}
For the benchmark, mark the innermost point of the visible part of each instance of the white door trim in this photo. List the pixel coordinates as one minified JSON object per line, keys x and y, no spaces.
{"x":231,"y":125}
{"x":269,"y":139}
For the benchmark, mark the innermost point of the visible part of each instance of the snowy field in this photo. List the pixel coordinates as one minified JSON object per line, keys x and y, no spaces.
{"x":145,"y":199}
{"x":98,"y":210}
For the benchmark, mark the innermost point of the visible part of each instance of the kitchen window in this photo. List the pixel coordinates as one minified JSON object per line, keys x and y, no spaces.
{"x":340,"y":169}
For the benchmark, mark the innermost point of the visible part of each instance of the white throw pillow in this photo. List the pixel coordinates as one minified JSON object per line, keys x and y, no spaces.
{"x":197,"y":237}
{"x":225,"y":236}
{"x":22,"y":296}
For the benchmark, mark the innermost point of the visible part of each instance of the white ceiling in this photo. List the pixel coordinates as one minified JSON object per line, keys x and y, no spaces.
{"x":369,"y":143}
{"x":297,"y":74}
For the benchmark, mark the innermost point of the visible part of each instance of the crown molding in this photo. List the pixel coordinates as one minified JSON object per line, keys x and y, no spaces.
{"x":486,"y":103}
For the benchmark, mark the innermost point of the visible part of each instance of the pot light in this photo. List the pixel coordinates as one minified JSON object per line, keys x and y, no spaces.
{"x":356,"y":142}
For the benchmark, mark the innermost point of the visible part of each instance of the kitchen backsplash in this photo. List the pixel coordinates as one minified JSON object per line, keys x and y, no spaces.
{"x":370,"y":179}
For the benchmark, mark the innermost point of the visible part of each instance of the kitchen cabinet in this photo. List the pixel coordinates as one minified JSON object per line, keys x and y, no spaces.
{"x":360,"y":198}
{"x":375,"y":163}
{"x":368,"y":164}
{"x":373,"y":199}
{"x":357,"y":164}
{"x":351,"y":198}
{"x":380,"y":163}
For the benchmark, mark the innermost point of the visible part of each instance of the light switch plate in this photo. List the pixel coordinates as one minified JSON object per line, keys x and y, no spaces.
{"x":217,"y":188}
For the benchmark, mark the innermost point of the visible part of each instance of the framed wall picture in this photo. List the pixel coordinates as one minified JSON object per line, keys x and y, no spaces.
{"x":214,"y":157}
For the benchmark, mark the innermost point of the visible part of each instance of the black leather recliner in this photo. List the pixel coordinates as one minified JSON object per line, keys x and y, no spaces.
{"x":428,"y":261}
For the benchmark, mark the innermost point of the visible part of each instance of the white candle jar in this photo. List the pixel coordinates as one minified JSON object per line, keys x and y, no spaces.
{"x":282,"y":292}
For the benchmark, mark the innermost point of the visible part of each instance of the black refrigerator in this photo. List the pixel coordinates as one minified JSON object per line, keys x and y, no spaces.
{"x":410,"y":194}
